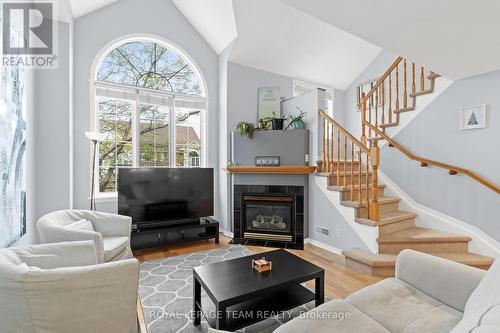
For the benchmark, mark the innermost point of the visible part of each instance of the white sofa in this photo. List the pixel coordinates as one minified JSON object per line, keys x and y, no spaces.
{"x":61,"y":288}
{"x":428,"y":295}
{"x":109,"y":232}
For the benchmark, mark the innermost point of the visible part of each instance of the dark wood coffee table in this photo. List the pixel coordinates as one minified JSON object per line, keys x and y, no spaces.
{"x":242,"y":296}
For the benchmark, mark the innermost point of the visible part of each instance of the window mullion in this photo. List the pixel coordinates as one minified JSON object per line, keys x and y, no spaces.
{"x":172,"y":134}
{"x":136,"y":130}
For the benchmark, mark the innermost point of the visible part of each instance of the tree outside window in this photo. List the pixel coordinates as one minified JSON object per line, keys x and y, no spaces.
{"x":139,"y":87}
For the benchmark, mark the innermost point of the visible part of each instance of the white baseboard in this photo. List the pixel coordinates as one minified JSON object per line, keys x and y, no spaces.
{"x":324,"y":246}
{"x":226,"y":233}
{"x":427,"y":217}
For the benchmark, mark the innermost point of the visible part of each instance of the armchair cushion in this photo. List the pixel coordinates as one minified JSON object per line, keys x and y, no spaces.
{"x":53,"y":255}
{"x":400,"y":307}
{"x":114,"y":247}
{"x":82,"y":224}
{"x":56,"y":227}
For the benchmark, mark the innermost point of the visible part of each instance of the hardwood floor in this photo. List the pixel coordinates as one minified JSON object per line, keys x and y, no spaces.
{"x":340,"y":281}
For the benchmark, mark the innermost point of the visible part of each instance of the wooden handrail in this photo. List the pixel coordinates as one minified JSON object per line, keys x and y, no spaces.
{"x":383,"y":77}
{"x":453,"y":170}
{"x":344,"y":131}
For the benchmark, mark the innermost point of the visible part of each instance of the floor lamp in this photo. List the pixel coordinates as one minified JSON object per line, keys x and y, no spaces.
{"x":94,"y":137}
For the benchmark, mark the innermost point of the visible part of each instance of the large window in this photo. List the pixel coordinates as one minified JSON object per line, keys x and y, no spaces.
{"x":150,"y":103}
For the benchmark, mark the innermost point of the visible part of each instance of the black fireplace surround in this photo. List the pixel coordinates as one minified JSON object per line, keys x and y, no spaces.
{"x":269,"y":215}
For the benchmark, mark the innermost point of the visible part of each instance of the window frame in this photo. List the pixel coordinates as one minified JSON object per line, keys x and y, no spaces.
{"x":135,"y":95}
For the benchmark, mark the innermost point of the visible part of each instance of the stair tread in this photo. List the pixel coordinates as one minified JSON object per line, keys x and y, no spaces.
{"x":389,"y":124}
{"x":370,"y":259}
{"x":389,"y":260}
{"x":401,"y":110}
{"x":388,"y":217}
{"x":419,"y":234}
{"x":382,"y":200}
{"x":348,"y":187}
{"x":422,"y":92}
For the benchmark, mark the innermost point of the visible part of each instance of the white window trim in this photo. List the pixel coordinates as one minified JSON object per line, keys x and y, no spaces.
{"x":94,"y":120}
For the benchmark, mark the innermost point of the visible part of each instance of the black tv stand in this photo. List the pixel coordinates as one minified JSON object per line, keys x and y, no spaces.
{"x":186,"y":231}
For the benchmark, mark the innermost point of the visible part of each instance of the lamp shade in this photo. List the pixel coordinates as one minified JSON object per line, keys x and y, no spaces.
{"x":95,"y":136}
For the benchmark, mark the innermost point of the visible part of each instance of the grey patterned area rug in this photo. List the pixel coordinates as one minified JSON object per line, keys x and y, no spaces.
{"x":166,"y":289}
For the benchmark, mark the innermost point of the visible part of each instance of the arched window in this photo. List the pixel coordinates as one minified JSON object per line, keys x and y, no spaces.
{"x":141,"y":88}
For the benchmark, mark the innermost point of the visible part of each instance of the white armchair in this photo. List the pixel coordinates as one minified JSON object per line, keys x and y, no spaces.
{"x":60,"y":288}
{"x":109,"y":232}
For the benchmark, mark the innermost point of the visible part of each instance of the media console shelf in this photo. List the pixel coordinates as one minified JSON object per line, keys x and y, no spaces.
{"x":207,"y":228}
{"x":279,"y":170}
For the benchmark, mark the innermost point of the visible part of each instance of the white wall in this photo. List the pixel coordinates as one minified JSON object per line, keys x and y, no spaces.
{"x":48,"y":163}
{"x":96,"y":30}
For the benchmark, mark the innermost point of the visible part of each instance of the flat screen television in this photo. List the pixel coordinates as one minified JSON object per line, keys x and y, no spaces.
{"x":163,"y":196}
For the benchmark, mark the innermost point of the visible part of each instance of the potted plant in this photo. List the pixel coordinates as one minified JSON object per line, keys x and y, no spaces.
{"x":297,"y":120}
{"x":277,"y":122}
{"x":245,"y":129}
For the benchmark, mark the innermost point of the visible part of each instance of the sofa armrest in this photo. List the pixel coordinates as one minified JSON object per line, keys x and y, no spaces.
{"x":57,"y":234}
{"x":55,"y":255}
{"x":111,"y":224}
{"x":97,"y":298}
{"x":449,"y":282}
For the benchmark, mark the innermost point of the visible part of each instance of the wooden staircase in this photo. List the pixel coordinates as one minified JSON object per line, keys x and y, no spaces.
{"x":397,"y":231}
{"x":351,"y":168}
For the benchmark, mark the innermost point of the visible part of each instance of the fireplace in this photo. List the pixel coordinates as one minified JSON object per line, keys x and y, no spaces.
{"x":268,"y":215}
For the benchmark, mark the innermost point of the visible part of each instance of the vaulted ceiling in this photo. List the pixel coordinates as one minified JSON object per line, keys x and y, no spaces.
{"x":332,"y":41}
{"x":456,"y":38}
{"x":275,"y":37}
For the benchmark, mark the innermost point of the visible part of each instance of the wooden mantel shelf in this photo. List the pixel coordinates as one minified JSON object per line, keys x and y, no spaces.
{"x":277,"y":170}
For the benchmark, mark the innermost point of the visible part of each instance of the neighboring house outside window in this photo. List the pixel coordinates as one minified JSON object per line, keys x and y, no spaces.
{"x":302,"y":87}
{"x":143,"y":88}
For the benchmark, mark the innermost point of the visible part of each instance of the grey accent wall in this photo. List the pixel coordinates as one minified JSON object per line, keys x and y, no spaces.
{"x":291,"y":145}
{"x":126,"y":17}
{"x":435,"y":134}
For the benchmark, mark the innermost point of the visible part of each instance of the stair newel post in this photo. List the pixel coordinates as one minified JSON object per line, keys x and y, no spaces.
{"x":422,"y":79}
{"x":363,"y":118}
{"x":323,"y":158}
{"x":405,"y":95}
{"x":338,"y":157}
{"x":389,"y":111}
{"x":397,"y":87}
{"x":374,"y":209}
{"x":413,"y":89}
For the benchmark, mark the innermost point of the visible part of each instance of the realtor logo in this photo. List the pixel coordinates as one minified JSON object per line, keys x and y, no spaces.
{"x":28,"y":33}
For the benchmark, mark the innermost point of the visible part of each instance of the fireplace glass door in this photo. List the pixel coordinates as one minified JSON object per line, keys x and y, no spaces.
{"x":268,"y":214}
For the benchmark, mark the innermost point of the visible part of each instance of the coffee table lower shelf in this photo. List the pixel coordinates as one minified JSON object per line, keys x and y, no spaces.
{"x":252,"y":311}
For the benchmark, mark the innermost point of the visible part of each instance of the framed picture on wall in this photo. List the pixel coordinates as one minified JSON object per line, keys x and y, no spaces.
{"x":269,"y":102}
{"x":365,"y":87}
{"x":473,"y":117}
